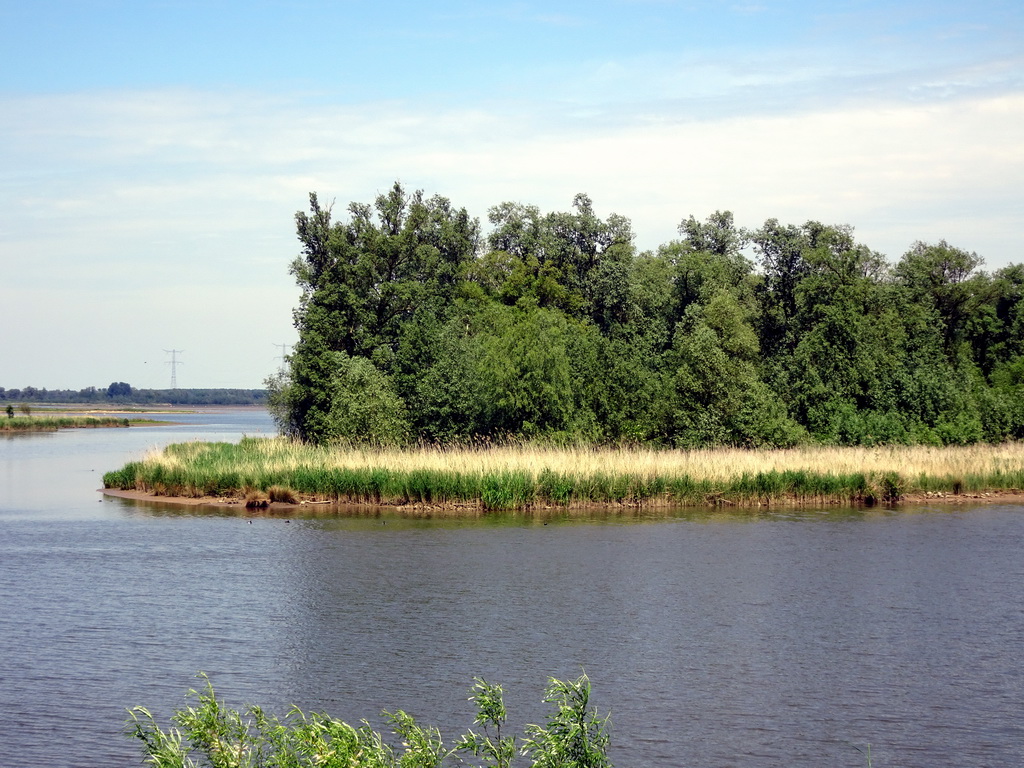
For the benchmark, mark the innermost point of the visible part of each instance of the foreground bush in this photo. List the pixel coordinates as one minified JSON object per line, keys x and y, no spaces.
{"x":211,"y":735}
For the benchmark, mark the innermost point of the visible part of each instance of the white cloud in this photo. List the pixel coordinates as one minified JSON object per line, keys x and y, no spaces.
{"x":138,"y":222}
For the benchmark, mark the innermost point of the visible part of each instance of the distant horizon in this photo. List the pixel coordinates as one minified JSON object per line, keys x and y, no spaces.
{"x":103,"y":387}
{"x":146,"y":389}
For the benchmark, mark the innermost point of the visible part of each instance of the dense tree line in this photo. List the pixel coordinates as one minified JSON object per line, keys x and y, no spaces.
{"x":120,"y":392}
{"x":415,"y":325}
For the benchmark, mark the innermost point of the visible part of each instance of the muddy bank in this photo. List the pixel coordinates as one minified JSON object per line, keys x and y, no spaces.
{"x":475,"y":509}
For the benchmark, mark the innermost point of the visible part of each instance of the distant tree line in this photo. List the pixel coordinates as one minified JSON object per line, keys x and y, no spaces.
{"x":120,"y":392}
{"x":415,"y":325}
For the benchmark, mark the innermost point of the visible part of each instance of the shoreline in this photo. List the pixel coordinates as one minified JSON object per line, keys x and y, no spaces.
{"x":477,"y":509}
{"x":45,"y":424}
{"x":470,"y":481}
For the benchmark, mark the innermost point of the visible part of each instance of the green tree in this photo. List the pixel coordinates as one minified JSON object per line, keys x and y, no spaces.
{"x":781,"y":251}
{"x":716,"y":395}
{"x":561,"y":260}
{"x":995,"y":329}
{"x":447,"y":399}
{"x":363,"y":283}
{"x":560,"y":330}
{"x":371,"y":274}
{"x":525,"y":371}
{"x":944,"y":278}
{"x":119,"y":389}
{"x":335,"y":396}
{"x":718,"y":235}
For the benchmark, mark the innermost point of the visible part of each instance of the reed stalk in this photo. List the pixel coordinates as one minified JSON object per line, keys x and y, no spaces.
{"x":521,"y":476}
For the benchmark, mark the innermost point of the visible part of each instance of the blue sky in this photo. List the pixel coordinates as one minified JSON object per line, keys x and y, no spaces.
{"x":152,"y":154}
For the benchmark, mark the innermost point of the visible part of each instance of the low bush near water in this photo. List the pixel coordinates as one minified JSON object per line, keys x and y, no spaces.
{"x":282,"y":494}
{"x":211,"y":734}
{"x":521,"y":476}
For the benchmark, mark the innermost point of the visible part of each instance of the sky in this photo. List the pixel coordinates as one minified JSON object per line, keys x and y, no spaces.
{"x":153,"y":154}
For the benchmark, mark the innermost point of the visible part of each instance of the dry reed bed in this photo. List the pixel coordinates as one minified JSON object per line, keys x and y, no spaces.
{"x":519,"y":476}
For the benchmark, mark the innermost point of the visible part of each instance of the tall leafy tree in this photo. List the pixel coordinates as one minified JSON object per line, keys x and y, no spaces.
{"x":944,"y":278}
{"x":363,"y":283}
{"x":571,"y":261}
{"x":782,"y":252}
{"x":412,"y":325}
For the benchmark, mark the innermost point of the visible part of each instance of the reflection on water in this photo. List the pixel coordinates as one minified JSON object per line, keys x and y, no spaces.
{"x":717,"y":638}
{"x":344,"y":514}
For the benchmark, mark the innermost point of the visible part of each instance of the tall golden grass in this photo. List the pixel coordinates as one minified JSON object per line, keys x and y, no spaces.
{"x":715,"y":464}
{"x":511,"y":476}
{"x":711,"y":464}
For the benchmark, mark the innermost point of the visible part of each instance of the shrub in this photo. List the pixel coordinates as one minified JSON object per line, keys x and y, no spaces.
{"x":574,"y":736}
{"x":211,"y":734}
{"x":282,"y":494}
{"x":891,"y":487}
{"x":255,"y":499}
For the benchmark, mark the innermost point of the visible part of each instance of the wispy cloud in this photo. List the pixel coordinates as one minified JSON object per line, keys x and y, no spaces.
{"x":112,"y":164}
{"x":189,"y":195}
{"x":178,"y":177}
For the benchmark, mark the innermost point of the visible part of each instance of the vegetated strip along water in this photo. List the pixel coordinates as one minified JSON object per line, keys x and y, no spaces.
{"x":716,"y":639}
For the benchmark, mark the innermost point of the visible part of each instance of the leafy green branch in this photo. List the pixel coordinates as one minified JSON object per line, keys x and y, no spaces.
{"x":207,"y":734}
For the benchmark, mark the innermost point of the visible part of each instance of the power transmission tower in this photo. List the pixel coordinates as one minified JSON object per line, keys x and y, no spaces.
{"x":283,"y":356}
{"x":174,"y":362}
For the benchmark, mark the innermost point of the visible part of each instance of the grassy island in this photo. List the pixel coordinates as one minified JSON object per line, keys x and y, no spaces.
{"x":470,"y":480}
{"x":53,"y":423}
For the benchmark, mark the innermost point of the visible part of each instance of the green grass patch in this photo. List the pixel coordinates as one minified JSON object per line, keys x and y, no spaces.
{"x":52,"y":423}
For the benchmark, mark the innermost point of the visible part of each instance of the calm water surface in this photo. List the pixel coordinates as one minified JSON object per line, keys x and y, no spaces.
{"x":714,"y":639}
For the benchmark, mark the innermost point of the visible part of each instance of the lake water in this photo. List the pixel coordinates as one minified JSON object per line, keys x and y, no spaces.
{"x":715,"y":639}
